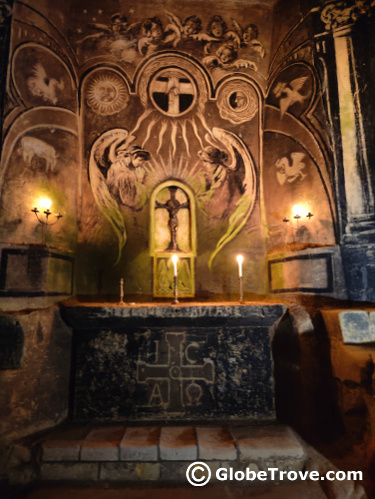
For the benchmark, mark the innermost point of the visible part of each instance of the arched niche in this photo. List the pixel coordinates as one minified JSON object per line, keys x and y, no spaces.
{"x":173,"y":231}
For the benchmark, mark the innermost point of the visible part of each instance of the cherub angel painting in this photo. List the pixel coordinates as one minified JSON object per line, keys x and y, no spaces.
{"x":119,"y":37}
{"x":226,"y":58}
{"x":187,"y":34}
{"x":247,"y":40}
{"x":177,"y":31}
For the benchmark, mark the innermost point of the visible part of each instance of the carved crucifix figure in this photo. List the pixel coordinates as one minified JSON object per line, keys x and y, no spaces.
{"x":173,"y":206}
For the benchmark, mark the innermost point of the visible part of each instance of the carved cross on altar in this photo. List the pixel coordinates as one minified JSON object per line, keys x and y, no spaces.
{"x":175,"y":372}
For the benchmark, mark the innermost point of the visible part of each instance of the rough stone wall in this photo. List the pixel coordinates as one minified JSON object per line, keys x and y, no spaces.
{"x":34,"y":391}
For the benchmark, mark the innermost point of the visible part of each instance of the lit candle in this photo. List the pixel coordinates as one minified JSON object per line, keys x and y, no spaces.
{"x":175,"y":284}
{"x":175,"y":260}
{"x":239,"y":260}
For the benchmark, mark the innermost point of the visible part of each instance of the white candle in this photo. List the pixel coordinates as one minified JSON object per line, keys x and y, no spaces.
{"x":175,"y":260}
{"x":239,"y":260}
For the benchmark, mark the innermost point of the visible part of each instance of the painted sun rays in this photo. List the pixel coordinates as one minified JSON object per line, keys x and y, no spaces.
{"x":170,"y":130}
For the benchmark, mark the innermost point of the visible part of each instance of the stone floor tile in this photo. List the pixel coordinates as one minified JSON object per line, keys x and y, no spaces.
{"x":178,"y":443}
{"x":102,"y":444}
{"x":64,"y":445}
{"x":140,"y":444}
{"x":267,"y":442}
{"x":215,"y":443}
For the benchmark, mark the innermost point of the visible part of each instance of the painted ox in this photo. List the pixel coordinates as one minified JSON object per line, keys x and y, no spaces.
{"x":31,"y":147}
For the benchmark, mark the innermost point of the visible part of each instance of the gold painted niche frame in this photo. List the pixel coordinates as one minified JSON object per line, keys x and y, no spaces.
{"x":187,"y":255}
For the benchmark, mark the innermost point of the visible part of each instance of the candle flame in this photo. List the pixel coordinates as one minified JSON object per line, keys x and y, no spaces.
{"x":44,"y":204}
{"x":239,"y":260}
{"x":300,"y":210}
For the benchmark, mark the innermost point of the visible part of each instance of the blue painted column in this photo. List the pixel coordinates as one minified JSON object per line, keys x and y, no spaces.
{"x":345,"y":51}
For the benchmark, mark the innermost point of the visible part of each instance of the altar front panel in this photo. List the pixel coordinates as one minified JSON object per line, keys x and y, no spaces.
{"x":208,"y":365}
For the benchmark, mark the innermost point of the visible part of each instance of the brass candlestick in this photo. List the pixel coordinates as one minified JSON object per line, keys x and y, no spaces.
{"x":175,"y":282}
{"x":239,"y":261}
{"x":175,"y":301}
{"x":241,"y":288}
{"x":121,"y":291}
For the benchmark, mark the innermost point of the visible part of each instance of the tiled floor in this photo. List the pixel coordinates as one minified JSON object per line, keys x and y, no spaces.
{"x":295,"y":491}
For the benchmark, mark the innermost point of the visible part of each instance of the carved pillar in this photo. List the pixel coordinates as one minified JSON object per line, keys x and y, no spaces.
{"x":345,"y":46}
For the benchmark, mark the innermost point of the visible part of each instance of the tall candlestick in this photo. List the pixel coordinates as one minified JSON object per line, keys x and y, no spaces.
{"x":175,"y":260}
{"x":121,"y":291}
{"x":240,"y":260}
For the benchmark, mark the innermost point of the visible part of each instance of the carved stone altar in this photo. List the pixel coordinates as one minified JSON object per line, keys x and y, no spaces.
{"x":185,"y":363}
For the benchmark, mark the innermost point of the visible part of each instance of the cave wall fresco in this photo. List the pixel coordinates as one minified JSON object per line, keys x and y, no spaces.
{"x":185,"y":144}
{"x":219,"y":117}
{"x":297,"y":151}
{"x":167,"y":92}
{"x":40,"y":133}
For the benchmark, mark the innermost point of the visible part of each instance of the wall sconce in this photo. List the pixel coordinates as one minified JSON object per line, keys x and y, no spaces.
{"x":44,"y":207}
{"x":297,"y":211}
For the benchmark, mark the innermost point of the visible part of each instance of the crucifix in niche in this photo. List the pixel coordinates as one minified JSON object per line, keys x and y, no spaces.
{"x":172,"y":229}
{"x":173,"y":206}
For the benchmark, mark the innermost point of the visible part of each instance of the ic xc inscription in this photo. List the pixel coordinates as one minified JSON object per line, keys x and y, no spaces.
{"x":175,"y":379}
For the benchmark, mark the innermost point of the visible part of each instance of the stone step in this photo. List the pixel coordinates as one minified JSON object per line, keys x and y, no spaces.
{"x":155,"y":453}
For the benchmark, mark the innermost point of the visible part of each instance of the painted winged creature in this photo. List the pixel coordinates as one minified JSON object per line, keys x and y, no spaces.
{"x":116,"y":177}
{"x":289,"y":93}
{"x":41,"y":85}
{"x":178,"y":30}
{"x":247,"y":37}
{"x":240,"y":165}
{"x":290,"y":172}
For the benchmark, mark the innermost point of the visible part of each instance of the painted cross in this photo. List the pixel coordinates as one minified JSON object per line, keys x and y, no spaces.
{"x":173,"y":94}
{"x":175,"y":371}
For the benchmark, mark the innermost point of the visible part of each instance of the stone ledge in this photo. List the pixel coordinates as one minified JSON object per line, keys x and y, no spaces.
{"x":178,"y":443}
{"x":215,"y":444}
{"x":140,"y":444}
{"x":147,"y":444}
{"x":102,"y":444}
{"x":267,"y":443}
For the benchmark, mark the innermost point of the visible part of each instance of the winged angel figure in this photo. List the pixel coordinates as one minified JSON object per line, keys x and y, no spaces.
{"x":248,"y":38}
{"x":104,"y":153}
{"x":178,"y":30}
{"x":240,"y":159}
